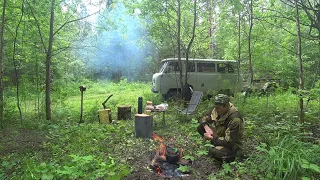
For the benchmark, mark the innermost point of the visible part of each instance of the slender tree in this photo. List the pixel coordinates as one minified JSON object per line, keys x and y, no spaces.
{"x":16,"y":69}
{"x":48,"y":63}
{"x":1,"y":58}
{"x":299,"y":55}
{"x":179,"y":43}
{"x":191,"y":41}
{"x":249,"y":42}
{"x":239,"y":51}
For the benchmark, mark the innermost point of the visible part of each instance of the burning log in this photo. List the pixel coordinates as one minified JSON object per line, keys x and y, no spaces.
{"x":124,"y":112}
{"x":167,"y":159}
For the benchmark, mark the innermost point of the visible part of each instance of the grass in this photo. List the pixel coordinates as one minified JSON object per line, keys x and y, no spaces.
{"x":274,"y":139}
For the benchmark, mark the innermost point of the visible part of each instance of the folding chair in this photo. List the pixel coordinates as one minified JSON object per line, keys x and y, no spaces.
{"x":192,"y":105}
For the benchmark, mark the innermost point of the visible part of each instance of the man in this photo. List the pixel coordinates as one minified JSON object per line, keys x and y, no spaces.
{"x":226,"y":130}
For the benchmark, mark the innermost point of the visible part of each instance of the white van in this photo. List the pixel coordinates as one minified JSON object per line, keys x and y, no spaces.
{"x":206,"y":75}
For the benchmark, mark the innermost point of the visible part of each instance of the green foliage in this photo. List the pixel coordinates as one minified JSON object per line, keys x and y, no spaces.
{"x":307,"y":165}
{"x":184,"y":169}
{"x":279,"y":146}
{"x":285,"y":158}
{"x":189,"y":157}
{"x":78,"y":167}
{"x":273,"y":40}
{"x":202,"y":152}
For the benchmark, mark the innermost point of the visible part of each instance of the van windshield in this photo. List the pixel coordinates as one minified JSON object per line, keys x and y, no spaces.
{"x":163,"y":67}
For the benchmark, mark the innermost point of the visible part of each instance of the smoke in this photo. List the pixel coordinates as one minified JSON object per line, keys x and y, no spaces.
{"x":120,"y":45}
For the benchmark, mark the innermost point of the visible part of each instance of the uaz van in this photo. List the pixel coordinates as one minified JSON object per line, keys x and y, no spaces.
{"x":206,"y":75}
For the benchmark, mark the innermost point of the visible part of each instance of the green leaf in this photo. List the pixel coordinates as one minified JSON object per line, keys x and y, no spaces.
{"x":5,"y":163}
{"x":272,"y":152}
{"x":47,"y":176}
{"x":67,"y":170}
{"x":212,"y":177}
{"x":305,"y":166}
{"x":184,"y":169}
{"x":227,"y":168}
{"x":305,"y":178}
{"x":88,"y":158}
{"x":209,"y":145}
{"x":304,"y":161}
{"x":200,"y":153}
{"x":189,"y":157}
{"x":315,"y":167}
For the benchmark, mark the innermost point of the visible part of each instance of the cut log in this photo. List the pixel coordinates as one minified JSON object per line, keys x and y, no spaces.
{"x":124,"y":112}
{"x":104,"y":116}
{"x":143,"y":125}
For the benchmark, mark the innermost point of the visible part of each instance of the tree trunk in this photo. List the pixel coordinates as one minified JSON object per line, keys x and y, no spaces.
{"x":239,"y":52}
{"x":1,"y":59}
{"x":191,"y":41}
{"x":16,"y":69}
{"x":299,"y":54}
{"x":249,"y":43}
{"x":124,"y":112}
{"x":179,"y":45}
{"x":48,"y":63}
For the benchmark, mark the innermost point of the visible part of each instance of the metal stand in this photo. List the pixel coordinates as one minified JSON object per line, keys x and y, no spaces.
{"x":82,"y":89}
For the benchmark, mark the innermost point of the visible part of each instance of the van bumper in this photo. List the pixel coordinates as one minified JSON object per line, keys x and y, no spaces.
{"x":154,"y":91}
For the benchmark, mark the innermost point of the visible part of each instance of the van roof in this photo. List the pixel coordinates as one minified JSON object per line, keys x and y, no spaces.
{"x":201,"y":60}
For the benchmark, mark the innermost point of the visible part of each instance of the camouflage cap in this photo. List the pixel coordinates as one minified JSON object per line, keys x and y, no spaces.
{"x":221,"y":99}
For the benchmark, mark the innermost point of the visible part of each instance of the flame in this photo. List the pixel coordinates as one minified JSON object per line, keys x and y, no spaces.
{"x":157,"y":138}
{"x":181,"y":151}
{"x":159,"y":170}
{"x":161,"y":151}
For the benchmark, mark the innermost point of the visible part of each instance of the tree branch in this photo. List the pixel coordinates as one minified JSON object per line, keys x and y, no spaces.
{"x":38,"y":26}
{"x":74,"y":20}
{"x":60,"y":50}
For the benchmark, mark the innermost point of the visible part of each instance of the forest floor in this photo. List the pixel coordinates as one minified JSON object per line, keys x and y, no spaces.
{"x":62,"y":149}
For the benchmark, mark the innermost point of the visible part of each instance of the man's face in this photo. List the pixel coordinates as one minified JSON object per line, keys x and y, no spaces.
{"x":222,"y":109}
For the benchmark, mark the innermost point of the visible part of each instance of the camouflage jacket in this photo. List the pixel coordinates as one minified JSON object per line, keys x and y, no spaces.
{"x":228,"y":128}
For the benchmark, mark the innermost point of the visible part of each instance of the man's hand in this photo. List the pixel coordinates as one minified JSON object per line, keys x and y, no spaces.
{"x":208,"y":136}
{"x":208,"y":130}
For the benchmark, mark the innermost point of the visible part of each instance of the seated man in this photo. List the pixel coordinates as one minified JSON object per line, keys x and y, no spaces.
{"x":226,"y":131}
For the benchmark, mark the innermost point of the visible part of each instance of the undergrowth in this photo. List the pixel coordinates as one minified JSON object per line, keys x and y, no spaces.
{"x":276,"y":144}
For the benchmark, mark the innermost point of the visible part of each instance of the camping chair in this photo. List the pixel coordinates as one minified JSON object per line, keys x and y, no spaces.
{"x":192,"y":105}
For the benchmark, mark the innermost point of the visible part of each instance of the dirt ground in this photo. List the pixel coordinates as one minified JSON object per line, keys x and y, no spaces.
{"x":201,"y":169}
{"x":21,"y":140}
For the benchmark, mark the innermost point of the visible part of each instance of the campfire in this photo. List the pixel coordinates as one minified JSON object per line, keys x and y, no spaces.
{"x":168,"y":158}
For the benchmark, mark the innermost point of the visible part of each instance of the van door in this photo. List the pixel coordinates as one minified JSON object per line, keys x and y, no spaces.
{"x":170,"y":77}
{"x":206,"y":72}
{"x":227,"y":76}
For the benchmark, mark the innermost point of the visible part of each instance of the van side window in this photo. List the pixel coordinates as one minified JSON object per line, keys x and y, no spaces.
{"x":230,"y":68}
{"x":191,"y":67}
{"x":172,"y":67}
{"x":225,"y":68}
{"x":206,"y":67}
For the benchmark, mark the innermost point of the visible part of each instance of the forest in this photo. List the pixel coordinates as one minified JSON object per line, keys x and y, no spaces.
{"x":61,"y":59}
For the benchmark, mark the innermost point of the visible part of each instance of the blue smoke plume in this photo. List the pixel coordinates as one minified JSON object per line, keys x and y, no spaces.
{"x":121,"y":45}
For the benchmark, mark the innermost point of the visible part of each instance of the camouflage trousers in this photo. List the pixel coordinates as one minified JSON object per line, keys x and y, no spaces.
{"x":220,"y":153}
